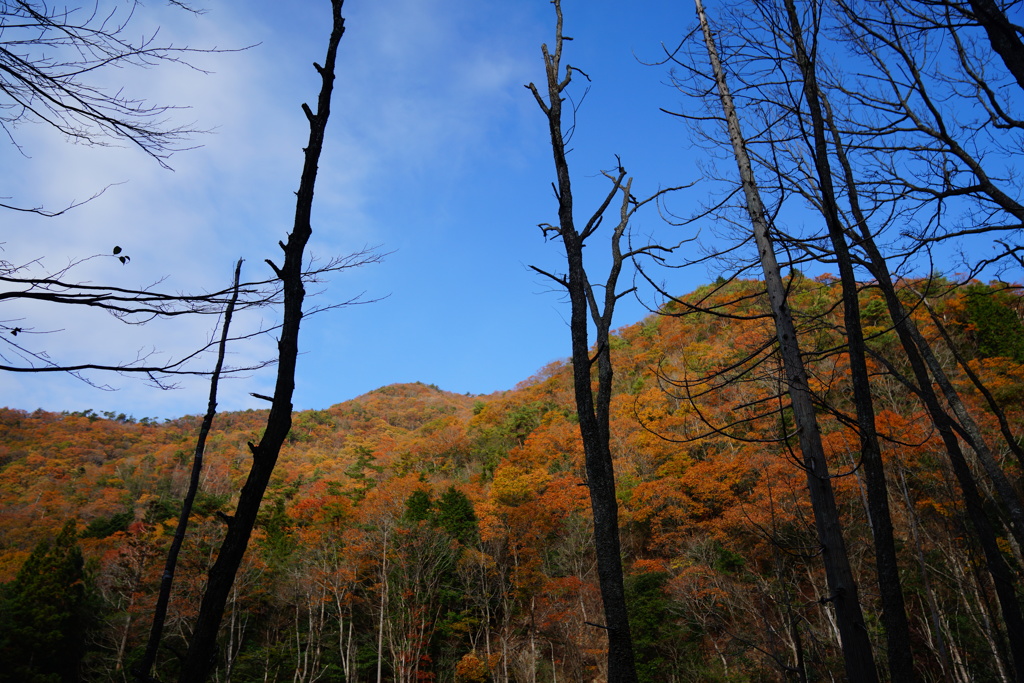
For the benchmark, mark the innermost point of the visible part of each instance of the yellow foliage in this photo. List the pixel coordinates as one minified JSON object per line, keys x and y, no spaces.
{"x":515,"y":485}
{"x":471,"y":668}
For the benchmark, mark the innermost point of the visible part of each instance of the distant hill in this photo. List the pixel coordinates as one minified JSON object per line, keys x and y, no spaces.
{"x":460,"y":524}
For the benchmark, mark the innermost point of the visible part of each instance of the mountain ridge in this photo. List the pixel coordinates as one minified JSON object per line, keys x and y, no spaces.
{"x":717,"y":540}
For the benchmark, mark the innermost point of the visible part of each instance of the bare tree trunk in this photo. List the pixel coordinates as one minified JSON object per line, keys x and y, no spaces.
{"x":856,"y":645}
{"x":926,"y":584}
{"x":894,"y":615}
{"x":1002,"y":35}
{"x":200,"y":658}
{"x":236,"y":631}
{"x":1000,"y":414}
{"x":167,"y":579}
{"x":977,"y":604}
{"x":971,"y":433}
{"x":1002,"y":577}
{"x":593,"y":411}
{"x":383,"y":604}
{"x":921,"y":359}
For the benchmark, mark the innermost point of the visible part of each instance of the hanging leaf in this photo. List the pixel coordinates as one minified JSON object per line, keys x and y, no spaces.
{"x":117,"y":250}
{"x":124,"y":259}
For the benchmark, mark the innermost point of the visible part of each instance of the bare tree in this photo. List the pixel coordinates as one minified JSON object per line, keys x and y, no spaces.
{"x":901,"y":133}
{"x":952,"y":168}
{"x":857,"y":651}
{"x":1003,"y":36}
{"x":917,"y":95}
{"x":922,"y":164}
{"x":897,"y":630}
{"x":170,"y":566}
{"x":202,"y":649}
{"x":21,"y":341}
{"x":52,"y":60}
{"x":587,"y":302}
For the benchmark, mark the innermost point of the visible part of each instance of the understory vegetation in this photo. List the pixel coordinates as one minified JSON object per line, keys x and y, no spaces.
{"x":413,"y":534}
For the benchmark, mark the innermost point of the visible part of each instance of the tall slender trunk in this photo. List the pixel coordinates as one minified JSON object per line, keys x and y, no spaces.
{"x":894,"y":614}
{"x":968,"y":429}
{"x":1002,"y":577}
{"x":1002,"y":35}
{"x":921,"y":358}
{"x":917,"y":350}
{"x":1004,"y":425}
{"x":856,"y":646}
{"x":593,"y":411}
{"x":976,"y":601}
{"x":383,"y":605}
{"x":167,"y":578}
{"x":201,"y":655}
{"x":926,"y":584}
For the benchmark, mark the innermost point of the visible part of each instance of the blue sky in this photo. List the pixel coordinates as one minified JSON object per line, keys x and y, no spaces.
{"x":435,"y":151}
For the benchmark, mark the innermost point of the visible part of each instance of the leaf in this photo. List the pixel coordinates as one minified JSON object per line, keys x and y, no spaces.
{"x":124,"y":259}
{"x":117,"y":250}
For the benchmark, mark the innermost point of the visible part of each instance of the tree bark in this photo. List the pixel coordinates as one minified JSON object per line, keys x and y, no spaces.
{"x":894,"y":615}
{"x":910,"y":338}
{"x":856,"y":646}
{"x":202,"y":649}
{"x":593,"y":414}
{"x":167,"y":579}
{"x":1001,"y":35}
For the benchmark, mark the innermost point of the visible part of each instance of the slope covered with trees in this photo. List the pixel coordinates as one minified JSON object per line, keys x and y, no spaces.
{"x":413,"y":534}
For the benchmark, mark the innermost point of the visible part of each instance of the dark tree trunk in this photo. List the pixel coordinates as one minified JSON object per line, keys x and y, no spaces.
{"x":857,"y":652}
{"x":593,"y":414}
{"x":1009,"y":439}
{"x":894,"y":615}
{"x":167,"y":578}
{"x":911,"y":341}
{"x":1002,"y":35}
{"x":202,"y":649}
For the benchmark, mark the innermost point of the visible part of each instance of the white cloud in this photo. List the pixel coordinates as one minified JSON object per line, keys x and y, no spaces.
{"x":428,"y":93}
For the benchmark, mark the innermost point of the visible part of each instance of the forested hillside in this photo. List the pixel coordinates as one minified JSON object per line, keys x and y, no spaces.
{"x":413,"y":534}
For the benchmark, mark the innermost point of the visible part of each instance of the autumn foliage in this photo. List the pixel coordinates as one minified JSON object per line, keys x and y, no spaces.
{"x":431,"y":536}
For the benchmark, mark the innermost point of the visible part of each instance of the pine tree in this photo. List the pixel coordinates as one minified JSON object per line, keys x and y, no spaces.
{"x":456,"y":516}
{"x":42,"y":615}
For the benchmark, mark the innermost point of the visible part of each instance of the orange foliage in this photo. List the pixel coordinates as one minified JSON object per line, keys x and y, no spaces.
{"x":710,"y":488}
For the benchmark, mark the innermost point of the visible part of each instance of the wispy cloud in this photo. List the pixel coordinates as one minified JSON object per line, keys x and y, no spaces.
{"x":434,"y":149}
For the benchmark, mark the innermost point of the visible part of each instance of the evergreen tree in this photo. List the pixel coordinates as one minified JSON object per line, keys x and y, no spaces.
{"x":418,"y":507}
{"x":456,"y":516}
{"x":997,"y":328}
{"x":660,"y":643}
{"x":42,"y":615}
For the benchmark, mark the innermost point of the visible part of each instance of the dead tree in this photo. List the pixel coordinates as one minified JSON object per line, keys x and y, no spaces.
{"x":856,"y":645}
{"x":894,"y":617}
{"x":52,"y":57}
{"x":956,"y":424}
{"x":202,"y":649}
{"x":22,"y":352}
{"x":1002,"y":35}
{"x":588,"y":303}
{"x":167,"y":578}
